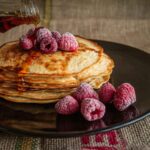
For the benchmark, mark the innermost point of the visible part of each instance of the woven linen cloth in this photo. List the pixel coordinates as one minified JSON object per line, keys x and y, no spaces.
{"x":121,"y":21}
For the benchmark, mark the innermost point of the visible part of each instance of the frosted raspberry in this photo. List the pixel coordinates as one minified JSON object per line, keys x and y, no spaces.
{"x":92,"y":109}
{"x":85,"y":90}
{"x":124,"y":96}
{"x":48,"y":45}
{"x":69,"y":34}
{"x":42,"y":33}
{"x":25,"y":43}
{"x":68,"y":42}
{"x":106,"y":92}
{"x":66,"y":106}
{"x":31,"y":34}
{"x":56,"y":35}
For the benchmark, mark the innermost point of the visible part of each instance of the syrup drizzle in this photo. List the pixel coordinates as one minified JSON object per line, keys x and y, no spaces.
{"x":25,"y":68}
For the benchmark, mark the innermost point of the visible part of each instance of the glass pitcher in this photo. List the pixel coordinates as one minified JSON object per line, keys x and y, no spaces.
{"x":17,"y":15}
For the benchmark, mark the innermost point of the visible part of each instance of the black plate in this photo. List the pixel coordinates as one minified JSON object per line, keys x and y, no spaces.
{"x":132,"y":65}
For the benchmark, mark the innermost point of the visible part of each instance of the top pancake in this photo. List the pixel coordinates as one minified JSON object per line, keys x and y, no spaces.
{"x":58,"y":63}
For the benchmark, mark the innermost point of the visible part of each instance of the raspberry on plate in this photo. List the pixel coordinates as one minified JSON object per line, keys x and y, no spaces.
{"x":42,"y":33}
{"x":124,"y":96}
{"x":48,"y":45}
{"x":68,"y":42}
{"x":85,"y":90}
{"x":92,"y":109}
{"x":67,"y":105}
{"x":25,"y":43}
{"x":56,"y":35}
{"x":106,"y":92}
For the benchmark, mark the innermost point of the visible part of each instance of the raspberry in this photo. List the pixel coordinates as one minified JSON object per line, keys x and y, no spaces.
{"x":68,"y":42}
{"x":56,"y":35}
{"x":106,"y":92}
{"x":66,"y":106}
{"x":92,"y":109}
{"x":124,"y":96}
{"x":25,"y":43}
{"x":31,"y":34}
{"x":42,"y":33}
{"x":85,"y":90}
{"x":48,"y":45}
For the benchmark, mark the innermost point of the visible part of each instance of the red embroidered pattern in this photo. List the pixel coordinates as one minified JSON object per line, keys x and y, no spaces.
{"x":100,"y":144}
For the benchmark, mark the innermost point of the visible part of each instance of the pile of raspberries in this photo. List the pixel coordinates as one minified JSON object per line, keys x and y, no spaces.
{"x":91,"y":103}
{"x":48,"y":42}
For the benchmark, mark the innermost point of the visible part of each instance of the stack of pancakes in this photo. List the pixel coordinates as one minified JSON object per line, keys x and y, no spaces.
{"x":33,"y":77}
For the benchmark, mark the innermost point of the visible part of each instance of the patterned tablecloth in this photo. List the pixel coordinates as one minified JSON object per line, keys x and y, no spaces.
{"x":126,"y":22}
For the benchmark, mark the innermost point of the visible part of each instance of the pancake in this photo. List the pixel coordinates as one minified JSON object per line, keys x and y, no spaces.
{"x":26,"y":100}
{"x":31,"y":99}
{"x":46,"y":94}
{"x":102,"y":66}
{"x":59,"y":63}
{"x":33,"y":77}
